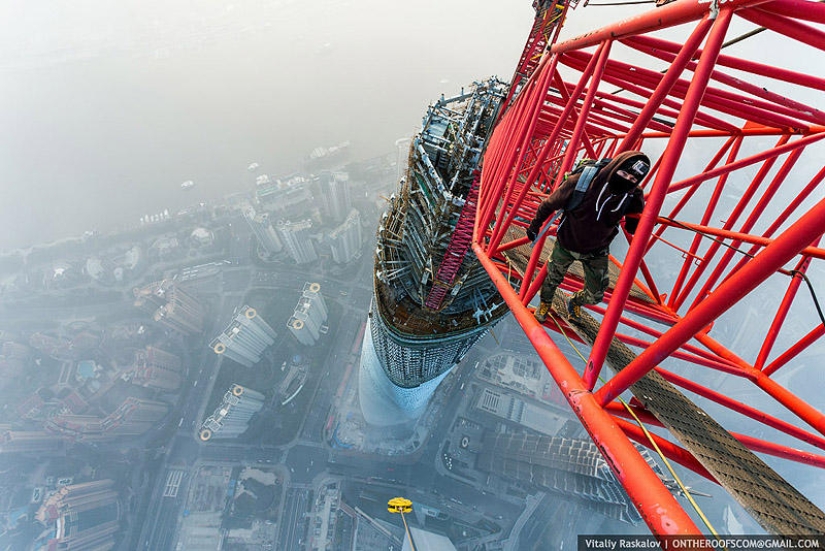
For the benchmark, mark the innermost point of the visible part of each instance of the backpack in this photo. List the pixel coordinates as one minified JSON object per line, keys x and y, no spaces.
{"x":588,"y":168}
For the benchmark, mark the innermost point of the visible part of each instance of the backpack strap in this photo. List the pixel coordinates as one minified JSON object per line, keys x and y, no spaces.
{"x":582,"y":185}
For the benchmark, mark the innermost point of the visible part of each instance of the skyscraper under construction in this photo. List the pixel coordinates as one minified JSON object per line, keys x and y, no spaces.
{"x":432,"y":300}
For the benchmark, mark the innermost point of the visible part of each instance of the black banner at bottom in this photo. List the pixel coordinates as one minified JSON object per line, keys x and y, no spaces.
{"x":670,"y":543}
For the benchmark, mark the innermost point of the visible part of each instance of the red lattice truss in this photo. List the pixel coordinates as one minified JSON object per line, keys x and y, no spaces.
{"x":734,"y":204}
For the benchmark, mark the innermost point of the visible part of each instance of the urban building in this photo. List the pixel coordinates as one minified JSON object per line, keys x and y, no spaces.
{"x":152,"y":296}
{"x":334,"y":195}
{"x":33,"y":407}
{"x":56,"y":347}
{"x":84,"y":517}
{"x":245,"y":338}
{"x":165,"y":247}
{"x":571,"y":467}
{"x":269,"y":242}
{"x":201,"y":237}
{"x":310,"y":315}
{"x":432,"y":300}
{"x":181,"y":314}
{"x":285,"y":198}
{"x":171,"y":306}
{"x":304,"y":334}
{"x":37,"y":442}
{"x":231,"y":418}
{"x":322,"y":157}
{"x":156,"y":368}
{"x":519,"y":412}
{"x":317,"y":308}
{"x":132,"y":417}
{"x":14,"y":350}
{"x":297,"y":240}
{"x":135,"y":416}
{"x":346,"y":239}
{"x":424,"y":539}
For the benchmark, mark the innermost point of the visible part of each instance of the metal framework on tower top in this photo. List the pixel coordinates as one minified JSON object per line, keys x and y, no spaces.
{"x":713,"y":303}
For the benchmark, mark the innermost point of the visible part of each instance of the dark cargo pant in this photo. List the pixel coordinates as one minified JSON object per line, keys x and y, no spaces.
{"x":596,"y":278}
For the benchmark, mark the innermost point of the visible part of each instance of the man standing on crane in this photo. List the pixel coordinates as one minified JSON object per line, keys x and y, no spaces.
{"x":607,"y":190}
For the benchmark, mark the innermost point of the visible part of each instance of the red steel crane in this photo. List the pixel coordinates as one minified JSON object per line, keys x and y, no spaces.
{"x":708,"y":347}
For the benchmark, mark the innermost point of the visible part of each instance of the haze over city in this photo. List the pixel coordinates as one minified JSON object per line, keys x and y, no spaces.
{"x":192,"y":197}
{"x":109,"y":107}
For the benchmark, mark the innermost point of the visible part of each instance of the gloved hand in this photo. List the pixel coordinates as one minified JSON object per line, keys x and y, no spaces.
{"x":531,"y":233}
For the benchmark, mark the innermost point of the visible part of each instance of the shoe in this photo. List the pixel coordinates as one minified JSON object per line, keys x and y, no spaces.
{"x":542,"y":311}
{"x":574,"y":310}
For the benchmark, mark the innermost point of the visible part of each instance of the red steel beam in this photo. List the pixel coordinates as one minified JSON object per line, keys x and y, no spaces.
{"x":653,"y":500}
{"x":814,"y":335}
{"x":810,"y":252}
{"x":807,"y":229}
{"x":546,"y":129}
{"x":655,"y":199}
{"x":669,"y":15}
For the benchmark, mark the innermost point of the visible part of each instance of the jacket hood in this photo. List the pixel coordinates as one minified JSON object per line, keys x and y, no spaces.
{"x":634,"y":163}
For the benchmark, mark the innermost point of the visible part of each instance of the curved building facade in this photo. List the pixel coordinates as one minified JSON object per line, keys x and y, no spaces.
{"x":432,"y":300}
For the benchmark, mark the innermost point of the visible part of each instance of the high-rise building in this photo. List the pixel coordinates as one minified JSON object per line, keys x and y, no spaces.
{"x":171,"y":306}
{"x":565,"y":465}
{"x":245,"y":338}
{"x":285,"y":197}
{"x":85,"y":516}
{"x":334,"y":195}
{"x":156,"y":368}
{"x":345,"y":240}
{"x":132,"y":417}
{"x":181,"y":313}
{"x":77,"y":428}
{"x":325,"y":157}
{"x":14,"y":350}
{"x":309,"y":316}
{"x":37,"y":442}
{"x":424,"y":539}
{"x":297,"y":240}
{"x":311,"y":292}
{"x":268,"y":239}
{"x":231,"y":418}
{"x":432,"y":299}
{"x":152,"y":296}
{"x":304,"y":334}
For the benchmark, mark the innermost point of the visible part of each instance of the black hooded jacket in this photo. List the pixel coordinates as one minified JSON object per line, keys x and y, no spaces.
{"x":592,"y":225}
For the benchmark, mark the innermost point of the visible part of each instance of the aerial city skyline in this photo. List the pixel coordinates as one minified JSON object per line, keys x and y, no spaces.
{"x":198,"y":353}
{"x":249,"y":328}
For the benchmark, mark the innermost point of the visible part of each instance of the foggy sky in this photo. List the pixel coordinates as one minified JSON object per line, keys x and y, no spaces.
{"x":105,"y":108}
